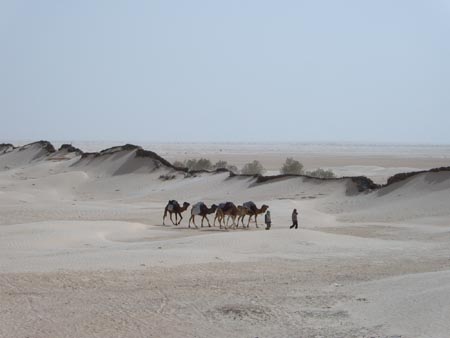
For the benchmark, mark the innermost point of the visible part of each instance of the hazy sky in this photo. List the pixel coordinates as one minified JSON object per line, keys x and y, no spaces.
{"x":363,"y":71}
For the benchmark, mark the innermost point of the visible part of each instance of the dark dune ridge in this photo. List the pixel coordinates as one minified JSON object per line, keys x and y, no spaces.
{"x":151,"y":159}
{"x":6,"y":147}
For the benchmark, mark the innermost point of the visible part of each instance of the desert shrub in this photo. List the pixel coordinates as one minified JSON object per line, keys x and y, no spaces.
{"x":253,"y":168}
{"x":224,"y":165}
{"x":232,"y":168}
{"x":292,"y":166}
{"x":221,"y":164}
{"x":179,"y":164}
{"x":190,"y":164}
{"x":201,"y":164}
{"x":321,"y":173}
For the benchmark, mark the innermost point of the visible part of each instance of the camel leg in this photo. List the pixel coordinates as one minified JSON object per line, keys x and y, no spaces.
{"x":190,"y":219}
{"x":171,"y":219}
{"x":242,"y":220}
{"x":222,"y":218}
{"x":181,"y":217}
{"x":209,"y":224}
{"x":165,"y":214}
{"x":256,"y":221}
{"x":233,"y":225}
{"x":216,"y":217}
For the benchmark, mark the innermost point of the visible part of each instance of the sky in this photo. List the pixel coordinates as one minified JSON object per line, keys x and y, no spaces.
{"x":226,"y":71}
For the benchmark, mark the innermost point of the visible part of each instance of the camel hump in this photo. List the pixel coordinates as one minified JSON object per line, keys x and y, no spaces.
{"x":173,"y":202}
{"x":221,"y":205}
{"x":228,"y":206}
{"x":172,"y":205}
{"x":250,"y":205}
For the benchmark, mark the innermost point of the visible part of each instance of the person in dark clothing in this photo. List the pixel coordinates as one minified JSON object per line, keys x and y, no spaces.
{"x":267,"y":220}
{"x":294,"y":219}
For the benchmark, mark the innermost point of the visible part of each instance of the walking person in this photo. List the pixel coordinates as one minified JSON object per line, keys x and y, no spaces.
{"x":267,"y":220}
{"x":294,"y":219}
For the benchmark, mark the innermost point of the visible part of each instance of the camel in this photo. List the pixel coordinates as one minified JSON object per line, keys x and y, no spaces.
{"x":174,"y":207}
{"x":218,"y":213}
{"x":226,"y":209}
{"x":242,"y":212}
{"x":200,"y":209}
{"x":249,"y":209}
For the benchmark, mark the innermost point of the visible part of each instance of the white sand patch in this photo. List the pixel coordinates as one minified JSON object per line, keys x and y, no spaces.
{"x":407,"y":306}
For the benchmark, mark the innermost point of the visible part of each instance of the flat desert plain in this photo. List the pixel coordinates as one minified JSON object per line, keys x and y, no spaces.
{"x":84,"y":252}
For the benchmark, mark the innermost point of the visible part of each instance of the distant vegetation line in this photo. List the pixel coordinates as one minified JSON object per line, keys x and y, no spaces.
{"x":291,"y":167}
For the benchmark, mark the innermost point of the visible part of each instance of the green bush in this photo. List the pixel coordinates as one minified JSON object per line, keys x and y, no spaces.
{"x":292,"y":166}
{"x":253,"y":168}
{"x":321,"y":173}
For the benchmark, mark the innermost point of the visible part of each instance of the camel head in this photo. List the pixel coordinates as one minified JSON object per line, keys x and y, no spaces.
{"x":213,"y":208}
{"x":264,"y":208}
{"x":185,"y":206}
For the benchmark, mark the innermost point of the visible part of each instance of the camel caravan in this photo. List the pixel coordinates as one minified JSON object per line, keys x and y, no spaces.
{"x":222,"y":211}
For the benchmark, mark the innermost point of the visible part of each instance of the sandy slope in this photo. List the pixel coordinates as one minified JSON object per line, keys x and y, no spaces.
{"x":83,"y":253}
{"x":421,"y":312}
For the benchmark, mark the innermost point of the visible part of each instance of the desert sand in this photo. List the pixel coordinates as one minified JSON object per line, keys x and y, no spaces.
{"x":83,"y":252}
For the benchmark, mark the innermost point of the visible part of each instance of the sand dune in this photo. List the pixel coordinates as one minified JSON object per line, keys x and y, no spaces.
{"x":83,"y":251}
